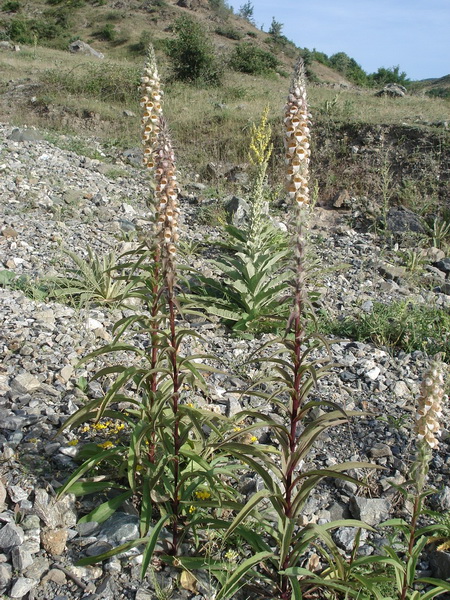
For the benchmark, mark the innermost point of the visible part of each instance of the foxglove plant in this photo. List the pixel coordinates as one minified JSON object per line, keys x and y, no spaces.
{"x":289,"y":484}
{"x":415,"y":536}
{"x":166,"y":436}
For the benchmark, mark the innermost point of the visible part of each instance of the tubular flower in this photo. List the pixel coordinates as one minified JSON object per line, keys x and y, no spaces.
{"x":150,"y":102}
{"x":166,"y":193}
{"x":297,"y":138}
{"x":430,"y":405}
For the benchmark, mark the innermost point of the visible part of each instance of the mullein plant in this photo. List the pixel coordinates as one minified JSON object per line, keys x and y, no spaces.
{"x":413,"y":534}
{"x":288,"y":482}
{"x":250,"y":294}
{"x":165,"y":460}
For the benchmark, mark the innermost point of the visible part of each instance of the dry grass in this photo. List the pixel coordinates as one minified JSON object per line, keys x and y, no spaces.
{"x":209,"y":125}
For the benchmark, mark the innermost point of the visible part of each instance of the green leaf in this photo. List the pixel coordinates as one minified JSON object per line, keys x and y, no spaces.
{"x":91,"y":560}
{"x":81,"y":488}
{"x":289,"y":526}
{"x":105,"y":510}
{"x":88,"y":464}
{"x":232,"y":584}
{"x":195,"y":562}
{"x":254,"y":500}
{"x":150,"y":548}
{"x":146,"y":509}
{"x":440,"y":585}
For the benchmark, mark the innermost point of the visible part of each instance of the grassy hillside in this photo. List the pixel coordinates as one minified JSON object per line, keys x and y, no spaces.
{"x":46,"y":86}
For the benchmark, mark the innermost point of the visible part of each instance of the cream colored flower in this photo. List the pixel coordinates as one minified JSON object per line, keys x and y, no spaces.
{"x":297,"y":138}
{"x":430,"y":405}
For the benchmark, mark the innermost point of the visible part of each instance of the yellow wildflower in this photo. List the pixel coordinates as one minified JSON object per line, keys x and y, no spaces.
{"x":106,"y":445}
{"x":253,"y":439}
{"x":72,"y":443}
{"x":202,"y":494}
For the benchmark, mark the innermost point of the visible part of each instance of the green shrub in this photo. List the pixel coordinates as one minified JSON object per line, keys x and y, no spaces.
{"x":140,"y":47}
{"x":26,"y":31}
{"x":440,"y":92}
{"x":108,"y":32}
{"x":221,"y":8}
{"x":18,"y":30}
{"x":229,"y":32}
{"x":248,"y":58}
{"x":192,"y":54}
{"x":106,"y":81}
{"x":11,"y":6}
{"x":399,"y":325}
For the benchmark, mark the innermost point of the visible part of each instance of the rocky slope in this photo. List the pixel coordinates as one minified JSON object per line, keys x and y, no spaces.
{"x":53,"y":200}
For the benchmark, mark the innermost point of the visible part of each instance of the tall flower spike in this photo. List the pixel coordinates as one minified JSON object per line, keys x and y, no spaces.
{"x":430,"y":405}
{"x":297,"y":152}
{"x":150,"y":102}
{"x":297,"y":138}
{"x":166,"y":194}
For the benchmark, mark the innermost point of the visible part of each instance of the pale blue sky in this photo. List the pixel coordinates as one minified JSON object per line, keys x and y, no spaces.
{"x":414,"y":34}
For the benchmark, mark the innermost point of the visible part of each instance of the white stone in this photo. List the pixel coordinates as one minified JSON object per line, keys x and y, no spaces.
{"x":373,"y":373}
{"x":93,"y":324}
{"x":401,"y":389}
{"x":22,"y":586}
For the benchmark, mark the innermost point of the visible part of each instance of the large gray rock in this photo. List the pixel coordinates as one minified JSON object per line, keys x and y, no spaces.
{"x":24,"y":135}
{"x":80,"y":47}
{"x":22,"y":586}
{"x":238,"y":211}
{"x":345,"y":537}
{"x":119,"y":528}
{"x":443,"y":265}
{"x":394,"y":90}
{"x":55,"y":513}
{"x":11,"y":535}
{"x":21,"y":558}
{"x":370,"y":510}
{"x":440,"y":564}
{"x":401,"y":220}
{"x":4,"y":45}
{"x":5,"y":576}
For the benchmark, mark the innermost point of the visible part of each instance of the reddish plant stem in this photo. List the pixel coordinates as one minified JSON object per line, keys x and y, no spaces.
{"x":297,"y":328}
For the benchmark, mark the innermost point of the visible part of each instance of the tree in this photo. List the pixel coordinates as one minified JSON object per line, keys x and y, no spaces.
{"x":246,"y":11}
{"x":192,"y":53}
{"x":276,"y":28}
{"x":391,"y":75}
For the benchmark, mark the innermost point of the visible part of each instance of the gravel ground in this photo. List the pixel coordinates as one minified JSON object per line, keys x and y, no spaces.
{"x":55,"y":200}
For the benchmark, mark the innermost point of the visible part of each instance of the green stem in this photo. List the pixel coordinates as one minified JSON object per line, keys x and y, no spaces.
{"x":412,"y":539}
{"x":176,"y":425}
